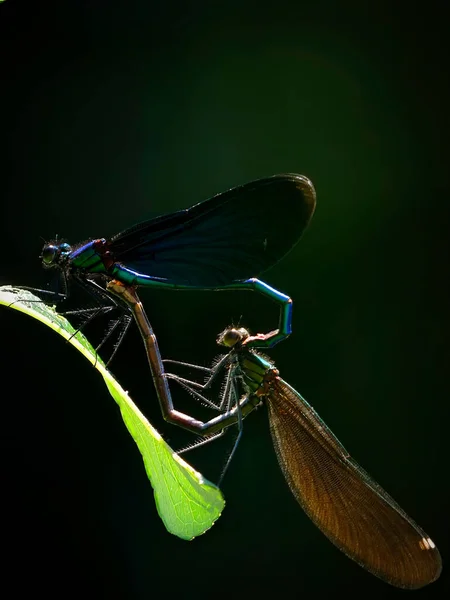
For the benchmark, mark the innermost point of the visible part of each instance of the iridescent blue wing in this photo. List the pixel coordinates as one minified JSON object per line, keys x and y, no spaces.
{"x":232,"y":236}
{"x":351,"y":509}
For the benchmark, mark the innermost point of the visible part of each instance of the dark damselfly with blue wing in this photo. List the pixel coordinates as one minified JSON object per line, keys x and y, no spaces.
{"x":223,"y":243}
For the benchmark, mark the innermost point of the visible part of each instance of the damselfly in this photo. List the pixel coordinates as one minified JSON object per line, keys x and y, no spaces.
{"x":349,"y":507}
{"x":222,"y":243}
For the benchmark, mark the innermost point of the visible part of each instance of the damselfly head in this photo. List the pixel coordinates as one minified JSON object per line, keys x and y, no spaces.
{"x":52,"y":253}
{"x":232,"y":336}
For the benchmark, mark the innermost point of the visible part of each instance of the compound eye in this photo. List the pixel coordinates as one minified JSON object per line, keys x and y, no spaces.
{"x":230,"y":337}
{"x":49,"y":254}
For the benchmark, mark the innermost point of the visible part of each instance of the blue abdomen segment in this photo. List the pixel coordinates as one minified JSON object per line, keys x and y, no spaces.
{"x":94,"y":257}
{"x":130,"y":277}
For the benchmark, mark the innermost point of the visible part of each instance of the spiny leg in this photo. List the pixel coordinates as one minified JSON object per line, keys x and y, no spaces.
{"x":81,"y":311}
{"x":101,"y":294}
{"x":60,"y":297}
{"x":202,"y":441}
{"x":213,"y":371}
{"x":125,"y":318}
{"x":93,"y":313}
{"x":185,"y":364}
{"x":190,"y":387}
{"x":240,"y":424}
{"x":230,"y":398}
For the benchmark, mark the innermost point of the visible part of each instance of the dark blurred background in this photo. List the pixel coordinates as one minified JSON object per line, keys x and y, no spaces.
{"x":114,"y":112}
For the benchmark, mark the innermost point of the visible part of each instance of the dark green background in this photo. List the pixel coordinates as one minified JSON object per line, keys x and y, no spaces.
{"x":113,"y":112}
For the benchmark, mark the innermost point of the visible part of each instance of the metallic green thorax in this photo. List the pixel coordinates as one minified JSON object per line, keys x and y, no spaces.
{"x":89,"y":257}
{"x":254,"y":368}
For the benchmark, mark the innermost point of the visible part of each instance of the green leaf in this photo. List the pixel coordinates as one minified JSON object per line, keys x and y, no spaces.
{"x":187,"y":503}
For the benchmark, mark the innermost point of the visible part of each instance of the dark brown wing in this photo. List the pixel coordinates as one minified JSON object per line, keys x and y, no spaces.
{"x":353,"y":511}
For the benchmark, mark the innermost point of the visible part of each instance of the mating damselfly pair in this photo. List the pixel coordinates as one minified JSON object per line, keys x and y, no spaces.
{"x":225,"y":243}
